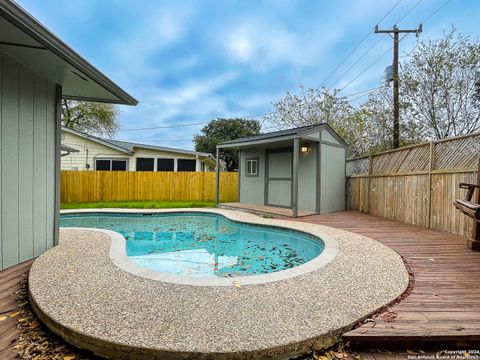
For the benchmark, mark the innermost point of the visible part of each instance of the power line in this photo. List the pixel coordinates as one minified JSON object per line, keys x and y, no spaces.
{"x":165,"y":126}
{"x":364,"y":91}
{"x":358,"y":45}
{"x":409,"y":11}
{"x":192,"y":124}
{"x":367,"y":68}
{"x":357,"y":61}
{"x":434,"y":12}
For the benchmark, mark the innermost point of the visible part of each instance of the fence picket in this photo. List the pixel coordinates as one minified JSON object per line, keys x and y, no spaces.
{"x":416,"y":184}
{"x":89,"y":186}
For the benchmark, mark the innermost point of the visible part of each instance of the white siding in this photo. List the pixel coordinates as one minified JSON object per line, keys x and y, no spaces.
{"x":27,"y":154}
{"x":88,"y":151}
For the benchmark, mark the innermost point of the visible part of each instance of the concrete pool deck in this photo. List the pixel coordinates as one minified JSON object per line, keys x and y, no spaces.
{"x":79,"y":292}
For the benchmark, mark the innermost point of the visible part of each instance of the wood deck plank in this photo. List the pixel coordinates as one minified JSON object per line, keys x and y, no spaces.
{"x":445,"y":302}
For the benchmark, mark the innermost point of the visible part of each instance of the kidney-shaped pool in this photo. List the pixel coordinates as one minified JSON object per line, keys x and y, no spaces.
{"x":203,"y":244}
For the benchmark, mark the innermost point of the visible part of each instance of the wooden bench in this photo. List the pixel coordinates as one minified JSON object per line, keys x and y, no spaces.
{"x":471,"y":209}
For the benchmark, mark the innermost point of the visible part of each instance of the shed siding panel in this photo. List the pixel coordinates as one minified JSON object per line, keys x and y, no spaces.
{"x":326,"y":136}
{"x":307,"y":178}
{"x":10,"y":112}
{"x":27,"y":149}
{"x":50,"y":165}
{"x":25,"y":166}
{"x":1,"y":122}
{"x":252,"y":188}
{"x":332,"y":178}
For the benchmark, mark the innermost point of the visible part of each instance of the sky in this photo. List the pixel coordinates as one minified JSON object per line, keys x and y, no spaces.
{"x":191,"y":61}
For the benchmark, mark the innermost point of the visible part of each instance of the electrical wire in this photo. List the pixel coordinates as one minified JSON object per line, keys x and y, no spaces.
{"x":358,"y":45}
{"x":409,"y":11}
{"x":358,"y":60}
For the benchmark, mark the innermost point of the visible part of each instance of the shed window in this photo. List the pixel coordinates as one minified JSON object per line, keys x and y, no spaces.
{"x":186,"y":165}
{"x":110,"y":165}
{"x":145,"y":164}
{"x":165,"y":164}
{"x":252,"y":167}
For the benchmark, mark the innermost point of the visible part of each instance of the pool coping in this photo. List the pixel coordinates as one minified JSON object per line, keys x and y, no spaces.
{"x":119,"y":256}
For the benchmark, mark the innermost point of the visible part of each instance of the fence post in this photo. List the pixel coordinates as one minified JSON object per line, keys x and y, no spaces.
{"x":431,"y":166}
{"x":370,"y":158}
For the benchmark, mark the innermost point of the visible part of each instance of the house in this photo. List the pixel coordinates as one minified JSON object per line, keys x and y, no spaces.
{"x":37,"y":69}
{"x":301,"y":170}
{"x":95,"y":153}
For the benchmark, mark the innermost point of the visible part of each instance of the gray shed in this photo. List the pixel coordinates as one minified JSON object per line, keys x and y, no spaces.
{"x":300,"y":170}
{"x":36,"y":70}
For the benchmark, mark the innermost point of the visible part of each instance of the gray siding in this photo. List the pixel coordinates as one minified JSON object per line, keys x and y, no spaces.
{"x":252,"y":188}
{"x":307,"y":178}
{"x":27,"y":154}
{"x":332,"y":179}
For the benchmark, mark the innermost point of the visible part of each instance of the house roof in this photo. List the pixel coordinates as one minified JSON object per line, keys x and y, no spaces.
{"x":281,"y":135}
{"x":28,"y":42}
{"x":129,"y":147}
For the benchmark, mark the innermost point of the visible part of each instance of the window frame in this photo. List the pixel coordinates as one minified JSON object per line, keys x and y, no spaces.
{"x":256,"y":161}
{"x":111,"y":163}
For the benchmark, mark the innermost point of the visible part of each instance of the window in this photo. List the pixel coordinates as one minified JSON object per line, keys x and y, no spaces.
{"x":145,"y":164}
{"x":252,"y":167}
{"x":186,"y":165}
{"x":110,"y":165}
{"x":165,"y":164}
{"x":119,"y":165}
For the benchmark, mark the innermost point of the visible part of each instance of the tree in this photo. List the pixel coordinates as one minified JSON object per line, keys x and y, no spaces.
{"x":312,"y":106}
{"x":221,"y":130}
{"x":438,"y":86}
{"x":94,"y":118}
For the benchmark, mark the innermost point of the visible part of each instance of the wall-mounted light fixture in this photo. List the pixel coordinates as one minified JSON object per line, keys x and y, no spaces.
{"x":304,"y":149}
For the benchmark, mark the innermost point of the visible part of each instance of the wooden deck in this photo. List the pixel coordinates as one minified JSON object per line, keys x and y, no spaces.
{"x":10,"y":280}
{"x":263,"y":209}
{"x":444,"y":307}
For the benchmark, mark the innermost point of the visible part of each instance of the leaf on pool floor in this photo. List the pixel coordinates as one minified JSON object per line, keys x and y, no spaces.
{"x":14,"y":314}
{"x":69,"y":357}
{"x":2,"y":318}
{"x":237,"y":285}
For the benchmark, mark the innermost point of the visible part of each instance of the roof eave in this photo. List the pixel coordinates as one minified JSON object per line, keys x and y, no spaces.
{"x":20,"y":18}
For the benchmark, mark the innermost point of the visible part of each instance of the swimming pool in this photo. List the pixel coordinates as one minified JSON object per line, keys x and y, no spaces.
{"x":203,"y":244}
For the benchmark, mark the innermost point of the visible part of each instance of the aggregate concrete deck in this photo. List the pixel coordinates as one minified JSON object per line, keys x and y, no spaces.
{"x":82,"y":295}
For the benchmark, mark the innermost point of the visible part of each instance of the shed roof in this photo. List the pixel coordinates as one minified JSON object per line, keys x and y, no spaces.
{"x":28,"y":42}
{"x":281,"y":135}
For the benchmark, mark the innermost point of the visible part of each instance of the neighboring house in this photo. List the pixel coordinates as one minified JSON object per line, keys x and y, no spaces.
{"x":301,"y":169}
{"x":95,"y":153}
{"x":36,"y":70}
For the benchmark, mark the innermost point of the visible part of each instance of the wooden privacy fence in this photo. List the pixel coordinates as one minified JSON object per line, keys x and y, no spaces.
{"x":416,"y":184}
{"x":87,"y":186}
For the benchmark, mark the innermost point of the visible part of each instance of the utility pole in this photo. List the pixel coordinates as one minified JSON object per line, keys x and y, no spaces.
{"x":396,"y":103}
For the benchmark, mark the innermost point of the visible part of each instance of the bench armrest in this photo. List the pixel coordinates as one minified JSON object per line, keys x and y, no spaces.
{"x":468,"y":186}
{"x":471,"y":188}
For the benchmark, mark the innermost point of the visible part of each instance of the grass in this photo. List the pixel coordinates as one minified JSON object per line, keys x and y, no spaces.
{"x":138,"y":204}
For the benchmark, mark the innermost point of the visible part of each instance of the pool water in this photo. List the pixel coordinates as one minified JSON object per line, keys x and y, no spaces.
{"x":201,"y":244}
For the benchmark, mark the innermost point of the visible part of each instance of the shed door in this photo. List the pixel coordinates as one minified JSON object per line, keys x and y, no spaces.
{"x":278,"y":178}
